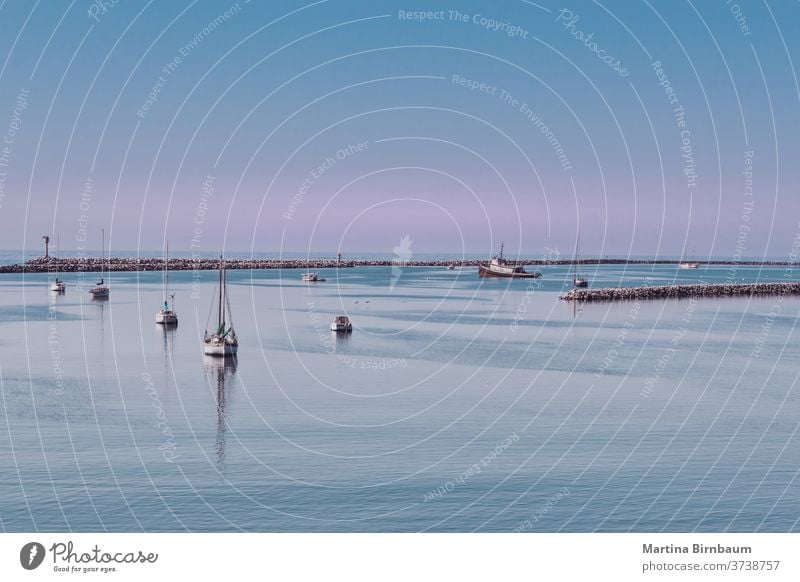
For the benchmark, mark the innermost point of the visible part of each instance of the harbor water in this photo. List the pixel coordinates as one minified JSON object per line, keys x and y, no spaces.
{"x":457,"y":404}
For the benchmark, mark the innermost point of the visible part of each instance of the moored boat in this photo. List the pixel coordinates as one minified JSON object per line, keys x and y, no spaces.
{"x":690,"y":264}
{"x":578,"y":281}
{"x":223,"y":342}
{"x":101,"y":290}
{"x":342,"y":324}
{"x":312,"y":277}
{"x":167,"y":315}
{"x":57,"y":286}
{"x":501,"y":267}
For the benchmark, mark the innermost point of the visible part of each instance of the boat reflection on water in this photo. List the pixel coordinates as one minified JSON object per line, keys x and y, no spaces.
{"x":219,"y":372}
{"x":168,"y":334}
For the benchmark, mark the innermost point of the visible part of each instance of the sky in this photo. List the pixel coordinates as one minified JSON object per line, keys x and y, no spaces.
{"x":649,"y":128}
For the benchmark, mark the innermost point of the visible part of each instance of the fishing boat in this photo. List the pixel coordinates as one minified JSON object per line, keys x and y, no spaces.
{"x":223,"y":342}
{"x":57,"y":286}
{"x":341,"y":324}
{"x":312,"y":277}
{"x":100,"y":290}
{"x":578,"y":281}
{"x":500,"y":267}
{"x":166,"y":315}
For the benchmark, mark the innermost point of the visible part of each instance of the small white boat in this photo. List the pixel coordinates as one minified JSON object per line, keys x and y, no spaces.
{"x":451,"y":267}
{"x":690,"y":264}
{"x":57,"y":286}
{"x":223,"y":342}
{"x":312,"y":278}
{"x":578,"y":280}
{"x":101,"y":291}
{"x":341,"y":324}
{"x":166,"y":315}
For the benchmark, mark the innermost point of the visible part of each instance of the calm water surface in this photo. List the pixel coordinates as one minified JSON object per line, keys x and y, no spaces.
{"x":455,"y":405}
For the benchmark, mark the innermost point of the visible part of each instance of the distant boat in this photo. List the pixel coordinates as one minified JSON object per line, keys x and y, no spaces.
{"x":578,"y":281}
{"x":500,"y":267}
{"x":57,"y":286}
{"x":691,"y":264}
{"x":166,"y":315}
{"x":451,"y":267}
{"x":312,"y":278}
{"x":101,"y":291}
{"x":342,"y":324}
{"x":223,"y":342}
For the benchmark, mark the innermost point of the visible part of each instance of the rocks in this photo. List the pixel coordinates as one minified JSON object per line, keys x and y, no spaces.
{"x":71,"y":265}
{"x":682,"y":291}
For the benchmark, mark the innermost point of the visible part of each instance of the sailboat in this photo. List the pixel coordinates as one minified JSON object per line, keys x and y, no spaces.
{"x":578,"y":280}
{"x":166,"y":315}
{"x":223,"y":342}
{"x":57,"y":286}
{"x":100,"y":291}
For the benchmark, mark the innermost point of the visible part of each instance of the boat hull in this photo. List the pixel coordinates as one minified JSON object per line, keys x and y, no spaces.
{"x":487,"y":272}
{"x":220,"y":350}
{"x":167,"y":318}
{"x":100,"y":293}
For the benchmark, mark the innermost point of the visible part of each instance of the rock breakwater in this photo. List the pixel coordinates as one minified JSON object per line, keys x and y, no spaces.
{"x":682,"y":291}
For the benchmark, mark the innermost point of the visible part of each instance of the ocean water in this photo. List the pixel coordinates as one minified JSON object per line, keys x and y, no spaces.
{"x":456,"y":405}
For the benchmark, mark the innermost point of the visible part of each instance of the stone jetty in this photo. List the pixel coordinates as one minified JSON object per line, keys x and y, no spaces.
{"x":682,"y":291}
{"x":85,"y":264}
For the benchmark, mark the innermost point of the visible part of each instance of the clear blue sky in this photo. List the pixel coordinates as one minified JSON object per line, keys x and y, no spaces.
{"x":568,"y":126}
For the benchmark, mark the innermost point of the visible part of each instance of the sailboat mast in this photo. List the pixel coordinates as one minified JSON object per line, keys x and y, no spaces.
{"x":103,"y":254}
{"x":220,"y":313}
{"x":166,"y":272}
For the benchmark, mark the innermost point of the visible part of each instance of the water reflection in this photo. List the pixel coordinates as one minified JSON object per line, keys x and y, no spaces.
{"x":339,"y":339}
{"x":220,"y":371}
{"x":168,"y":334}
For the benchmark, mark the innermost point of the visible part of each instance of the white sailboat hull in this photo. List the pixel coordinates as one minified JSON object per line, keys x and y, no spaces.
{"x":167,"y":317}
{"x":220,"y":349}
{"x":222,"y":343}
